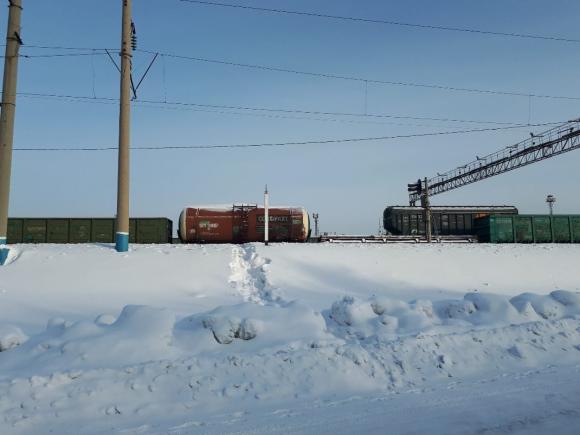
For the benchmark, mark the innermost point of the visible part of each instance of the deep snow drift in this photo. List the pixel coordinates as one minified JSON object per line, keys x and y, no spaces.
{"x":238,"y":337}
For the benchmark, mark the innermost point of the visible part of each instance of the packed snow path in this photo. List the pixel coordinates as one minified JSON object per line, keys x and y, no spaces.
{"x":249,"y":275}
{"x":290,"y":339}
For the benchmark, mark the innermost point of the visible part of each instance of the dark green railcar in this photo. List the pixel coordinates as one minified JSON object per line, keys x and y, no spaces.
{"x":575,"y":228}
{"x":523,"y":229}
{"x":15,"y":229}
{"x":151,"y":230}
{"x":561,"y":229}
{"x":445,"y":220}
{"x":34,"y":231}
{"x":542,"y":229}
{"x":86,"y":230}
{"x":57,"y":230}
{"x":495,"y":229}
{"x":79,"y":231}
{"x":103,"y":230}
{"x":528,"y":229}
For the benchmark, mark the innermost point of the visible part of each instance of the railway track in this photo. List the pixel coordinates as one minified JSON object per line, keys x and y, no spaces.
{"x":393,"y":239}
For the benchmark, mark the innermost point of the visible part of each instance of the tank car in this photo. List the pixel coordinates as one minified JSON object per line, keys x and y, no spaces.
{"x":242,"y":224}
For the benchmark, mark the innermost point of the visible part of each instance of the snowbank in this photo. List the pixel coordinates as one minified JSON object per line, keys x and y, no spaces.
{"x":233,"y":329}
{"x":10,"y":337}
{"x":320,"y":273}
{"x":390,"y":317}
{"x":146,"y":362}
{"x":81,"y":281}
{"x":143,"y":334}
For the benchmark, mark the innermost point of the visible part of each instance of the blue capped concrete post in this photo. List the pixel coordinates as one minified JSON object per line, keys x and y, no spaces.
{"x":122,"y":242}
{"x":122,"y":236}
{"x":4,"y":251}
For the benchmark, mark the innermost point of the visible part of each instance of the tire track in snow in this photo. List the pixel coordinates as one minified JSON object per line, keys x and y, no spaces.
{"x":250,"y":276}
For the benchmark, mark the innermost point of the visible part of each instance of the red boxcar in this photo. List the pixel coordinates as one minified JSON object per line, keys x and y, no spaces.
{"x":242,"y":224}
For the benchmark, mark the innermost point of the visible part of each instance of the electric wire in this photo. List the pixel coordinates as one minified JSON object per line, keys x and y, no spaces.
{"x":387,"y":22}
{"x":284,"y":144}
{"x":359,"y":79}
{"x":332,"y":76}
{"x":169,"y":106}
{"x":110,"y":100}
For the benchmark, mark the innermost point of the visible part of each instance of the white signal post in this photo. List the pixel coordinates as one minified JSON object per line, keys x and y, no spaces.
{"x":266,"y":216}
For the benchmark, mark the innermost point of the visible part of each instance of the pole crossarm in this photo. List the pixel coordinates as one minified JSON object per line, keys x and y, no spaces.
{"x":553,"y":142}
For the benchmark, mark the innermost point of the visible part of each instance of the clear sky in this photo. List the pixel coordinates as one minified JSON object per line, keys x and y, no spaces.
{"x":347,"y":184}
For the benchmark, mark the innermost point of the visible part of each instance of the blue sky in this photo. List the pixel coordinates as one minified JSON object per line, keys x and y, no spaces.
{"x":347,"y":184}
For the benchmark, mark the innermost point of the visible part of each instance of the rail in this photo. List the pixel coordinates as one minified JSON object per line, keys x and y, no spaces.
{"x":393,"y":239}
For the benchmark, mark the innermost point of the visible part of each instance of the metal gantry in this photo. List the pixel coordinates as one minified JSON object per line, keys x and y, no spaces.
{"x":558,"y":140}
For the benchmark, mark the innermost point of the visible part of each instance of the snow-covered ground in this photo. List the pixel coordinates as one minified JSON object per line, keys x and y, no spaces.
{"x":306,"y":339}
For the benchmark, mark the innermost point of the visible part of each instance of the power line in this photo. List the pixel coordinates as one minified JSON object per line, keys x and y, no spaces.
{"x":359,"y":79}
{"x":169,"y":106}
{"x":93,"y":52}
{"x":107,"y":100}
{"x":60,"y":47}
{"x":283,"y":144}
{"x":364,"y":80}
{"x":37,"y":56}
{"x":387,"y":22}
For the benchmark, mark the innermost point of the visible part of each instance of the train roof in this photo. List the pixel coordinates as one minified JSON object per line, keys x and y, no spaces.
{"x":229,"y":207}
{"x":455,"y":208}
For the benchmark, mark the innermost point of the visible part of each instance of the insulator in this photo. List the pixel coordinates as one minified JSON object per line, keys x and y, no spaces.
{"x":134,"y":42}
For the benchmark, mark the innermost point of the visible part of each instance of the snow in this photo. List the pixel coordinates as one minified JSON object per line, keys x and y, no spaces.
{"x":290,"y":339}
{"x":230,"y":207}
{"x":11,"y":336}
{"x":455,"y":208}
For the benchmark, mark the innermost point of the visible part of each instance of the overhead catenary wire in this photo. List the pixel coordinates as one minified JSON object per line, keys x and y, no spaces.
{"x":332,"y":76}
{"x":170,"y":106}
{"x":284,"y":144}
{"x":40,"y":56}
{"x":61,"y":47}
{"x":385,"y":22}
{"x":92,"y":99}
{"x":359,"y":79}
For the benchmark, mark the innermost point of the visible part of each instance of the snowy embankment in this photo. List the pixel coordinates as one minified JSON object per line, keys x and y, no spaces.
{"x":174,"y":338}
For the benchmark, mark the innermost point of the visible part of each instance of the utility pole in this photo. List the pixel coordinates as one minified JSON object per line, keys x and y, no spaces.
{"x":427,"y":213}
{"x":266,"y":216}
{"x":122,"y":236}
{"x":551,"y":199}
{"x":8,"y":111}
{"x":315,"y":216}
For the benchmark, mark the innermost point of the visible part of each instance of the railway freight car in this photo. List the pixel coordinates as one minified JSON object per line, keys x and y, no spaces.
{"x":445,"y":220}
{"x":528,"y":229}
{"x":242,"y":224}
{"x":86,"y":230}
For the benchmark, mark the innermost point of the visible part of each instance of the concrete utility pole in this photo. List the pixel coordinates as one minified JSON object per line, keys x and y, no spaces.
{"x":266,"y":216}
{"x":122,"y":236}
{"x":7,"y":114}
{"x":427,"y":206}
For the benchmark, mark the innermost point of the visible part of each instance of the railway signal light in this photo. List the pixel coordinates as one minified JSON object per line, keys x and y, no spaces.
{"x":415,"y":187}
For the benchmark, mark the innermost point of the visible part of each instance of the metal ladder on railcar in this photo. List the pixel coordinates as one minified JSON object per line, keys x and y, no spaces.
{"x":241,"y":221}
